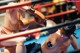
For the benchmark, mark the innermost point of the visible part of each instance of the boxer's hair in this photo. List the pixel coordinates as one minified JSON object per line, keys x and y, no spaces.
{"x":69,"y":30}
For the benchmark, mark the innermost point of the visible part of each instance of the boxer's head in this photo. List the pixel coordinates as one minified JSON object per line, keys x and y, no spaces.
{"x":68,"y":30}
{"x":15,"y":18}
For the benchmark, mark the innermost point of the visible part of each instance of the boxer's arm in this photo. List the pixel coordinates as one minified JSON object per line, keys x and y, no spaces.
{"x":13,"y":41}
{"x":50,"y":23}
{"x":74,"y":43}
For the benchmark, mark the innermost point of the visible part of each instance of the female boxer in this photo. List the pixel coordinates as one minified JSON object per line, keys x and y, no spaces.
{"x":20,"y":43}
{"x":59,"y":41}
{"x":13,"y":23}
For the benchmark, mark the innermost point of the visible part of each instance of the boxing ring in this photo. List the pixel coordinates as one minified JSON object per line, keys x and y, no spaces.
{"x":43,"y":38}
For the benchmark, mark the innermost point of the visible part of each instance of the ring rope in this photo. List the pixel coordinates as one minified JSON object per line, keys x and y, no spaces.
{"x":29,"y":3}
{"x":48,"y":4}
{"x":61,"y":13}
{"x":26,"y":33}
{"x":22,"y":4}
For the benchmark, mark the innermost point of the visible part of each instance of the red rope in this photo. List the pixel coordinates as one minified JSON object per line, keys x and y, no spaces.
{"x":24,"y":33}
{"x":77,"y":3}
{"x":61,"y":13}
{"x":48,"y":4}
{"x":57,"y":14}
{"x":26,"y":3}
{"x":15,"y":6}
